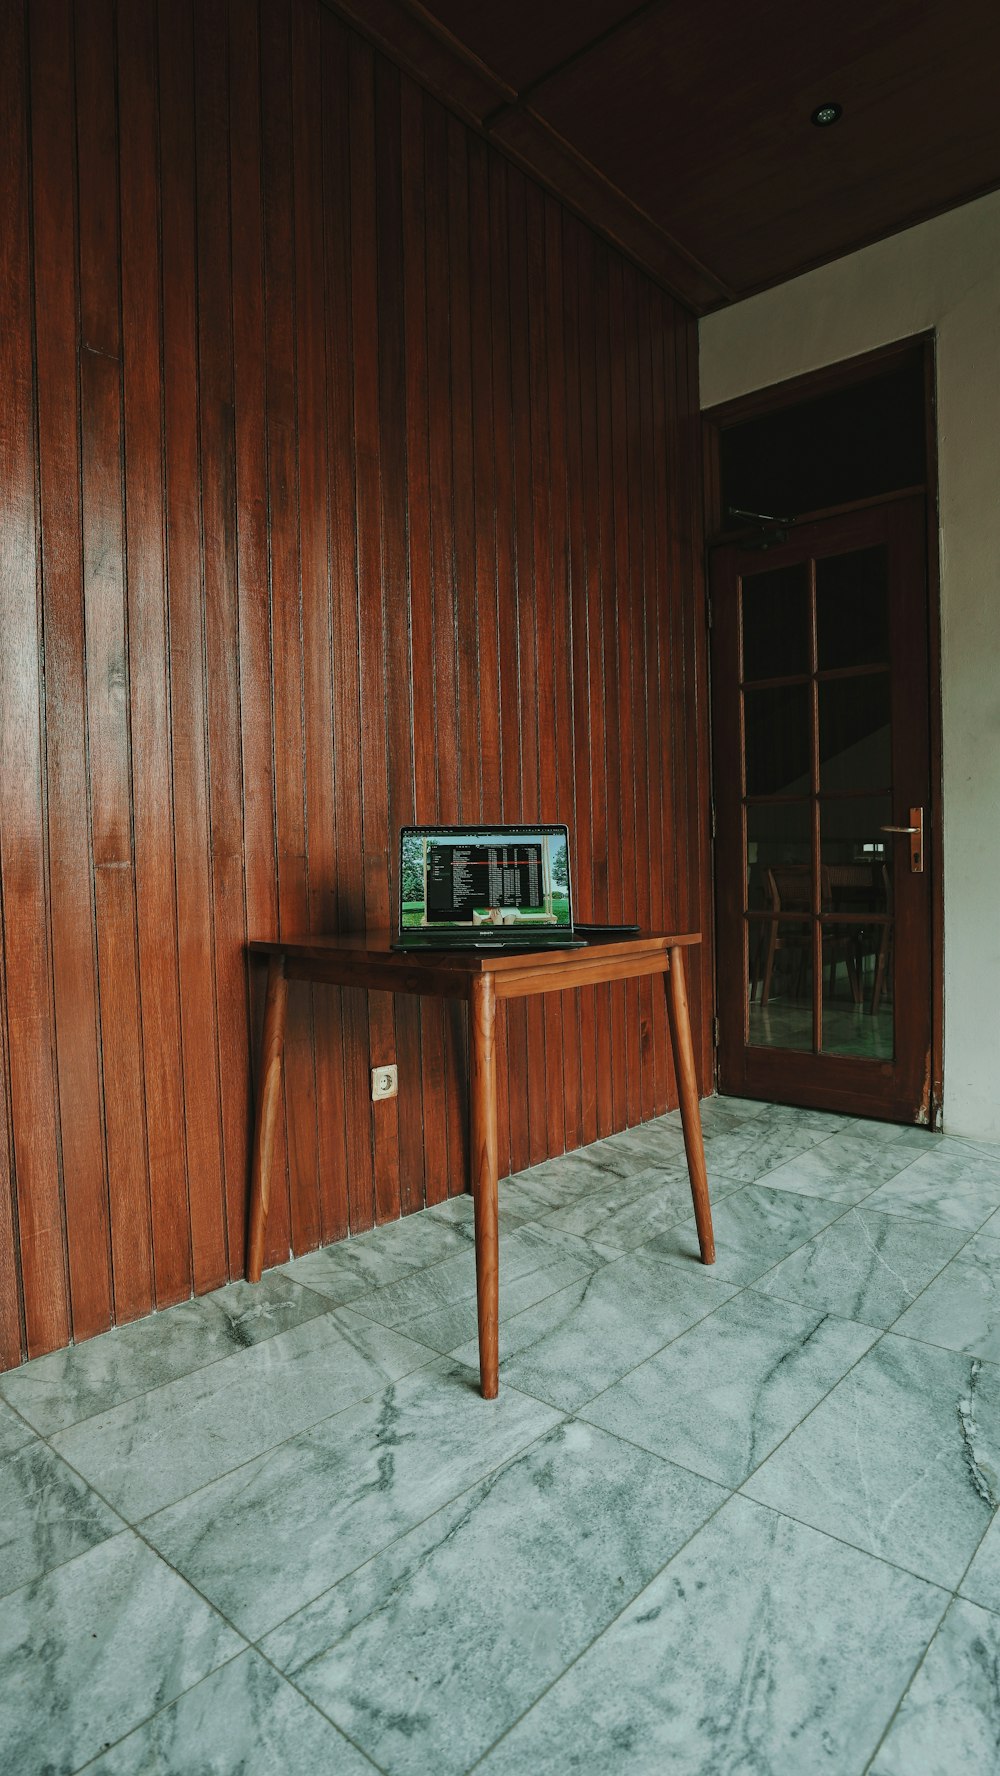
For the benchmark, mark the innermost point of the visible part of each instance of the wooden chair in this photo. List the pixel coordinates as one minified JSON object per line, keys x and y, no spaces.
{"x":885,"y":945}
{"x":856,"y":885}
{"x":790,"y":890}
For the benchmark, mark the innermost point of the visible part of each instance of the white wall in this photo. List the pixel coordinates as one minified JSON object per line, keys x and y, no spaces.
{"x":945,"y":275}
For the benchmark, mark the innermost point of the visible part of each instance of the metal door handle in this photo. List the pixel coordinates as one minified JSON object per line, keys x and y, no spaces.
{"x":915,"y":831}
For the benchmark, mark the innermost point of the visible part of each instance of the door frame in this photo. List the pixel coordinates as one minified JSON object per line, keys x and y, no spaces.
{"x":919,"y":350}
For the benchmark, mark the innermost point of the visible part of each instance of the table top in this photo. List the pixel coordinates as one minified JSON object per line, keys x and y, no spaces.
{"x":365,"y":959}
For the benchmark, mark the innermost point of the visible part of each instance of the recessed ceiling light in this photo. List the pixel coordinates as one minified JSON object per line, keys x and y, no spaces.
{"x":824,"y":115}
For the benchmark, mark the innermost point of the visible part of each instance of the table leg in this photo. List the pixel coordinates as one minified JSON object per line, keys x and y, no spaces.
{"x":483,"y":1131}
{"x":687,"y":1087}
{"x":268,"y":1098}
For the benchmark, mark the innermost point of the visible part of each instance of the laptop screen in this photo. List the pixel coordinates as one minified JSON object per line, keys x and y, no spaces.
{"x":460,"y":878}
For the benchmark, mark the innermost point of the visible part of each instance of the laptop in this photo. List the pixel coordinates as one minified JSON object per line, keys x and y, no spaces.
{"x":485,"y":888}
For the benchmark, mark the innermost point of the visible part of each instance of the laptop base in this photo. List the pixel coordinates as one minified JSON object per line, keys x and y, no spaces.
{"x":418,"y":942}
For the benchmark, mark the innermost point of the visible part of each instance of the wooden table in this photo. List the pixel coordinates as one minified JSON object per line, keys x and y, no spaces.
{"x":480,"y":978}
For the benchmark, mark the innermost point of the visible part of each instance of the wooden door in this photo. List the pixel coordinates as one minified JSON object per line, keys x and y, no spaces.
{"x":821,"y":737}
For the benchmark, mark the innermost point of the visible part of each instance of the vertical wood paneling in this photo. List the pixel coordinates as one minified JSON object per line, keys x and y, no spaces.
{"x":347,"y":480}
{"x":186,"y":624}
{"x":218,"y":458}
{"x":152,"y":801}
{"x":81,"y":1101}
{"x":314,"y":530}
{"x":29,"y":1047}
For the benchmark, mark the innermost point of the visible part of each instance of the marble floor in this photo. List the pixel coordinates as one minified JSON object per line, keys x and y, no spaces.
{"x":730,"y":1520}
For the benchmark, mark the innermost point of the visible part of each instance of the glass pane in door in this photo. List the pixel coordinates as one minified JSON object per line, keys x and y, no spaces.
{"x":852,"y":609}
{"x":776,"y":726}
{"x":776,"y":613}
{"x":780,"y":958}
{"x":857,"y":863}
{"x":855,"y":732}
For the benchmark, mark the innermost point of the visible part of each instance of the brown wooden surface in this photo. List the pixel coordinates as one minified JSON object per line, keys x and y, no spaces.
{"x":269,"y":1084}
{"x":898,"y":1089}
{"x":685,"y":133}
{"x":368,"y":960}
{"x":347,"y":478}
{"x":483,"y":1136}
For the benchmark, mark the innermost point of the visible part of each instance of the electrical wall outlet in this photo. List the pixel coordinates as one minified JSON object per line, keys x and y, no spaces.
{"x":384,"y":1083}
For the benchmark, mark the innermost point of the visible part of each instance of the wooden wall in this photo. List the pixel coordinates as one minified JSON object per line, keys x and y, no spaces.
{"x":344,"y":479}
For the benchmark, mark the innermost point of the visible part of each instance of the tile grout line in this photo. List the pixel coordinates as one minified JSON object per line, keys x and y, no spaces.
{"x":911,"y":1680}
{"x":335,"y":1307}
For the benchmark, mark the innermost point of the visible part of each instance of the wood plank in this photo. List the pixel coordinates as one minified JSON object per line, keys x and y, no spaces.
{"x":627,"y":526}
{"x":398,"y":621}
{"x":350,"y":911}
{"x":525,"y":582}
{"x":253,"y":602}
{"x":11,"y":1323}
{"x":486,"y":574}
{"x":22,"y":864}
{"x":81,"y":1131}
{"x":218,"y":447}
{"x":432,"y":1054}
{"x":111,"y":817}
{"x":312,"y":391}
{"x":286,"y":604}
{"x":599,"y":548}
{"x":443,"y":578}
{"x":562,"y":629}
{"x":188,"y":695}
{"x":639,"y":739}
{"x":371,"y":593}
{"x":513,"y":1135}
{"x":152,"y":810}
{"x":546,"y":643}
{"x":658,"y":707}
{"x":581,"y":855}
{"x":463,"y":553}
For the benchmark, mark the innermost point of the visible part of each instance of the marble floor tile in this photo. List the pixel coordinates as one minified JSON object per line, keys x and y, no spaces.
{"x":629,"y":1211}
{"x":650,"y":1144}
{"x":535,"y":1562}
{"x":865,"y":1266}
{"x":557,"y":1182}
{"x":763,"y":1649}
{"x":47,"y":1515}
{"x":901,"y":1459}
{"x":449,"y":1328}
{"x":452,"y":1281}
{"x":590,"y":1252}
{"x":949,"y":1719}
{"x":844,"y":1168}
{"x":459,"y":1211}
{"x":757,"y":1145}
{"x":722,"y":1396}
{"x":754,"y":1228}
{"x":70,"y":1385}
{"x":951,"y":1184}
{"x":573,"y":1345}
{"x":960,"y":1309}
{"x":264,"y":1541}
{"x":168,"y":1442}
{"x":241,"y":1720}
{"x":351,"y":1267}
{"x":93,"y":1649}
{"x":982,"y":1581}
{"x":13,"y":1431}
{"x":920,"y":1140}
{"x":731,"y":1106}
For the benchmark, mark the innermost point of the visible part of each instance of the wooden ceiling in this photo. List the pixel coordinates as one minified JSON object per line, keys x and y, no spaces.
{"x":683,"y":131}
